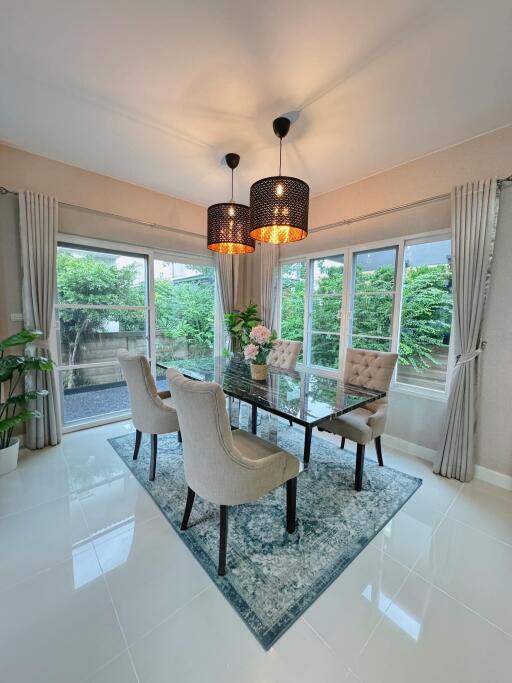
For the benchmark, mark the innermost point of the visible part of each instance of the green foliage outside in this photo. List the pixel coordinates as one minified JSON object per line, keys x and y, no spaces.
{"x":426,"y":311}
{"x":184,"y":308}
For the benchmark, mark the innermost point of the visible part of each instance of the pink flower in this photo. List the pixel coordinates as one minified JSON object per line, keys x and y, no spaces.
{"x":250,"y":352}
{"x":260,"y":334}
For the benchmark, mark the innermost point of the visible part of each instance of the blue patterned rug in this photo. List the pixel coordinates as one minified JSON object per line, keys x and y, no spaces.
{"x":272,"y":577}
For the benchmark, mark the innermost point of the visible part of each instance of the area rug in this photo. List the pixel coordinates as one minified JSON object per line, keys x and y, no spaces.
{"x":273,"y":577}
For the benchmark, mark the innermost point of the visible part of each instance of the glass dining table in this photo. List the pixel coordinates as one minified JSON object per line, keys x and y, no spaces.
{"x":302,"y":397}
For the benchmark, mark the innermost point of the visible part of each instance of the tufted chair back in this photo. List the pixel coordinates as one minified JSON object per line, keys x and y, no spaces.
{"x":371,"y":370}
{"x":284,"y":354}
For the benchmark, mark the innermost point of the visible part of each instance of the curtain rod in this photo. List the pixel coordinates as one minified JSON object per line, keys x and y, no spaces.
{"x":138,"y":221}
{"x":393,"y":209}
{"x":327,"y":226}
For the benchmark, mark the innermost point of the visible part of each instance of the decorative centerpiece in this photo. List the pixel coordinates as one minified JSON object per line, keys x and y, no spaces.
{"x":261,"y":342}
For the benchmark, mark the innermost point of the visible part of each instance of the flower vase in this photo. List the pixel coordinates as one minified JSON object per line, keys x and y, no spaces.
{"x":259,"y":372}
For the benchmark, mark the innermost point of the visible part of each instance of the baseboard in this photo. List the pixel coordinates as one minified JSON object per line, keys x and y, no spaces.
{"x":504,"y":481}
{"x":409,"y":447}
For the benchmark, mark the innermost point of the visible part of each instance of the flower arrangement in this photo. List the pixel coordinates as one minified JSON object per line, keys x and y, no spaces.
{"x":261,"y":342}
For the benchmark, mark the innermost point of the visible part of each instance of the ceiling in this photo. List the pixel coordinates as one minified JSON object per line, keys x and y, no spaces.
{"x":156,"y":92}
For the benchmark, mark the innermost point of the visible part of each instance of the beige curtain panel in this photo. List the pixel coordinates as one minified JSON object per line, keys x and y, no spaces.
{"x":269,"y":254}
{"x":474,"y":217}
{"x":38,"y":237}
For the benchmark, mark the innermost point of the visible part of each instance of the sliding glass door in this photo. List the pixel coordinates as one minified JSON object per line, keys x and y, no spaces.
{"x":185,"y":311}
{"x":102,"y":306}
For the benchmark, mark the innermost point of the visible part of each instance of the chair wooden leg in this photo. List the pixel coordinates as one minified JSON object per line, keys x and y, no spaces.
{"x":291,"y":504}
{"x":152,"y":466}
{"x":138,"y":439}
{"x":359,"y":467}
{"x":342,"y":445}
{"x":223,"y":539}
{"x":180,"y":439}
{"x":188,"y":508}
{"x":378,"y":448}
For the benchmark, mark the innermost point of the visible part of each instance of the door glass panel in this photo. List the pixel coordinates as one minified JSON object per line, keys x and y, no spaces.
{"x":102,"y":307}
{"x":94,"y":335}
{"x":89,"y":276}
{"x":185,"y":307}
{"x":93,"y":393}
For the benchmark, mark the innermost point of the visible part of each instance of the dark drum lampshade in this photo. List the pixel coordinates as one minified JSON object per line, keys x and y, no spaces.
{"x":229,"y":223}
{"x":279,"y":209}
{"x":279,"y":204}
{"x":228,"y":229}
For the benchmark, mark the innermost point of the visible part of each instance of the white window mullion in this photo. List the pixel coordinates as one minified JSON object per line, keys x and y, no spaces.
{"x":152,"y":312}
{"x":307,"y":313}
{"x":346,"y":319}
{"x":397,"y":303}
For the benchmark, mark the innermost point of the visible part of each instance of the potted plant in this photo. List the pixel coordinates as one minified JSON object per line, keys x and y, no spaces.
{"x":239,"y":325}
{"x":14,"y":407}
{"x":261,"y":342}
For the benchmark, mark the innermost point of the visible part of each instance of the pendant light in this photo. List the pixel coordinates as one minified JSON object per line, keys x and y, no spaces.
{"x":229,"y":223}
{"x":279,"y":204}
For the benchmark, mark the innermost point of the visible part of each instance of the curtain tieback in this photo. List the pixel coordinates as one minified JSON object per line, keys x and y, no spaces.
{"x":468,"y":356}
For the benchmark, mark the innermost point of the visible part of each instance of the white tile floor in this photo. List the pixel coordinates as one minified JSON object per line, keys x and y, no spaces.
{"x":96,"y":586}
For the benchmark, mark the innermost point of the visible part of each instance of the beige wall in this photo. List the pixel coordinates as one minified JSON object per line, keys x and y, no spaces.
{"x":495,"y":436}
{"x":23,"y":171}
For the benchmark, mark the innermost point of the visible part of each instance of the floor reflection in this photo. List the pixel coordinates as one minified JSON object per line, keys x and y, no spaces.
{"x":393,"y":611}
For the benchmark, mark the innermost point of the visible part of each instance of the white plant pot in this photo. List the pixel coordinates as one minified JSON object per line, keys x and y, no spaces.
{"x":9,"y":457}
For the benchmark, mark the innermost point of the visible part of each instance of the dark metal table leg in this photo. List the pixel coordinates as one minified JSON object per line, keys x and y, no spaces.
{"x":223,"y":539}
{"x":359,"y":467}
{"x":307,"y":443}
{"x":254,"y":419}
{"x":291,"y":504}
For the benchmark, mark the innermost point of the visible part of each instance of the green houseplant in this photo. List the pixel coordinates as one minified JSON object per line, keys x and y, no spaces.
{"x":239,"y":325}
{"x":14,"y":407}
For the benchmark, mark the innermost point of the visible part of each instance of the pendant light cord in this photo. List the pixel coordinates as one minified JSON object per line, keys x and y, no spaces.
{"x":232,"y":172}
{"x":280,"y":153}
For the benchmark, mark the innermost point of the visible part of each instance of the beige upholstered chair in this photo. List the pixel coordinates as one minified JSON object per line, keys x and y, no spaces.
{"x":371,"y":370}
{"x":225,"y":467}
{"x":284,"y":354}
{"x":152,"y":412}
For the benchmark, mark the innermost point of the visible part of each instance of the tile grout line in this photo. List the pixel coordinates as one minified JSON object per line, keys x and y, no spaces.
{"x":407,"y":576}
{"x":114,"y":609}
{"x":412,"y":571}
{"x":171,"y":615}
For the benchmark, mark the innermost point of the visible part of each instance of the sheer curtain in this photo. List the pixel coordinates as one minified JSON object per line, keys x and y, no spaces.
{"x":38,"y":238}
{"x":474,"y":217}
{"x":269,"y":254}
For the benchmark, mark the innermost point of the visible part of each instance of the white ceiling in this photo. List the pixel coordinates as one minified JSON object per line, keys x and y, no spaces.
{"x":156,"y":92}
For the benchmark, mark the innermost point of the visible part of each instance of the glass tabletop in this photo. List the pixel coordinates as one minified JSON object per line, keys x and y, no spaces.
{"x":304,"y":397}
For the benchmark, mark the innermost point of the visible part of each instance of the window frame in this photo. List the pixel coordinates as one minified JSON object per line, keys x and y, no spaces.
{"x":150,"y":254}
{"x":348,"y":252}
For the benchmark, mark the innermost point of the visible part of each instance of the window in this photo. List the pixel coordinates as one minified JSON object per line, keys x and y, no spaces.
{"x":102,"y":305}
{"x":426,"y":314}
{"x":325,"y":304}
{"x":185,"y":310}
{"x":395,"y":296}
{"x":293,"y":289}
